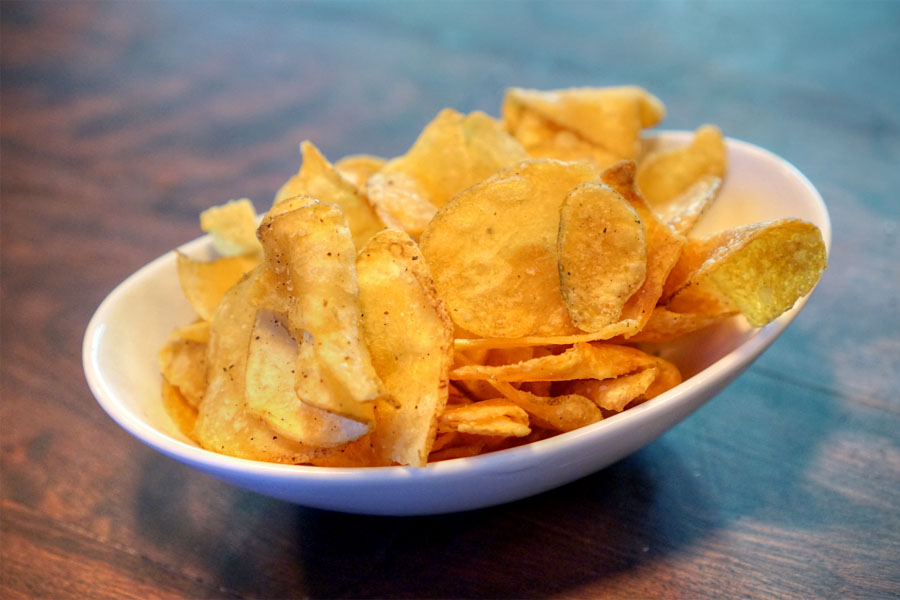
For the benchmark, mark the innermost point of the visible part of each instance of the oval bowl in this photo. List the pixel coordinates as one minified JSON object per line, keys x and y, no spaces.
{"x":133,"y":322}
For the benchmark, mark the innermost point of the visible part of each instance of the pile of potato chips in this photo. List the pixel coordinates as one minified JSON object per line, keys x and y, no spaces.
{"x":487,"y":289}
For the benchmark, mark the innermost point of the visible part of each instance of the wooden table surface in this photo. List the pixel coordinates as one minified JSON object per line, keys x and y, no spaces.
{"x":122,"y":121}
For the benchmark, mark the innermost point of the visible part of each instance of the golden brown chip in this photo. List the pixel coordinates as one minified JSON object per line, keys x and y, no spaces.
{"x":760,"y":270}
{"x":664,"y":246}
{"x":311,"y":253}
{"x":602,"y":254}
{"x":621,"y":328}
{"x":223,"y":424}
{"x":410,"y":339}
{"x":455,"y":151}
{"x":400,"y":202}
{"x":543,"y":139}
{"x":603,"y":124}
{"x":665,"y":325}
{"x":499,"y":417}
{"x":319,"y":179}
{"x":232,"y":227}
{"x":489,"y":148}
{"x":557,"y":413}
{"x":667,"y":377}
{"x":357,"y":168}
{"x":198,"y":331}
{"x":182,"y":412}
{"x":204,"y":283}
{"x":664,"y":175}
{"x":581,"y":361}
{"x":462,"y":448}
{"x":183,"y":364}
{"x":493,"y":250}
{"x":360,"y":453}
{"x":683,"y":211}
{"x":272,"y":358}
{"x":614,"y":394}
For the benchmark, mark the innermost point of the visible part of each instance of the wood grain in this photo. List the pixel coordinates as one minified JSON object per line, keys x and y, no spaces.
{"x":120,"y":122}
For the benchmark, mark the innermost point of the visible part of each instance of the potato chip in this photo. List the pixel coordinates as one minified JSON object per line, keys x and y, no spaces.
{"x":761,"y":270}
{"x":493,"y":250}
{"x":543,"y":139}
{"x":223,"y":424}
{"x":606,"y":119}
{"x":664,"y":246}
{"x":667,"y":377}
{"x":198,"y":331}
{"x":581,"y":361}
{"x":311,"y":253}
{"x":319,"y":179}
{"x":183,"y":364}
{"x":357,"y":168}
{"x":664,"y":175}
{"x":472,"y":446}
{"x":614,"y":394}
{"x":360,"y":453}
{"x":602,"y":254}
{"x":272,"y":358}
{"x":455,"y":151}
{"x":489,"y":148}
{"x":400,"y":202}
{"x":182,"y":412}
{"x":410,"y":339}
{"x":621,"y":328}
{"x":683,"y":211}
{"x":665,"y":325}
{"x":232,"y":227}
{"x":204,"y":283}
{"x":499,"y":417}
{"x":557,"y":413}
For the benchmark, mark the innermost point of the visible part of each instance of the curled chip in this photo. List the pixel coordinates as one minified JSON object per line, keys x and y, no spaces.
{"x":318,"y":179}
{"x":664,"y":175}
{"x":410,"y":340}
{"x":565,"y":412}
{"x":400,"y":202}
{"x":269,"y":394}
{"x":232,"y":227}
{"x":614,"y":394}
{"x":455,"y":151}
{"x":179,"y":409}
{"x":357,"y":168}
{"x":602,"y":254}
{"x":498,"y":417}
{"x":600,"y":124}
{"x":204,"y":283}
{"x":760,"y":270}
{"x":493,"y":250}
{"x":581,"y":361}
{"x":664,"y":246}
{"x":665,"y":325}
{"x":683,"y":211}
{"x":182,"y":363}
{"x":223,"y":423}
{"x":311,"y":253}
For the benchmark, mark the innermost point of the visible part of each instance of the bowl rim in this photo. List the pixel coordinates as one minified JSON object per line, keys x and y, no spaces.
{"x":509,"y":460}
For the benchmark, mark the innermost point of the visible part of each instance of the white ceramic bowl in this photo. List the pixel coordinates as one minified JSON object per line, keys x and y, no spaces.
{"x":132,"y":323}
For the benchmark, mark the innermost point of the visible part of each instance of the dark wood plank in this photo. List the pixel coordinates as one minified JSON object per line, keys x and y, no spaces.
{"x":44,"y":559}
{"x":120,"y":121}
